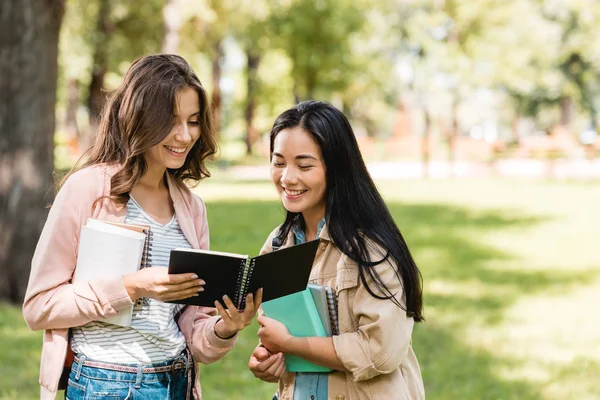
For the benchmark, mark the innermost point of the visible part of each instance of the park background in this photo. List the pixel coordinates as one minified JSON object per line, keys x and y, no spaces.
{"x":478,"y":121}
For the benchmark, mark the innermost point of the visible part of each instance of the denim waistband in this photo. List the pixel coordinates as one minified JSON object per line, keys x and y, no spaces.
{"x":137,"y":374}
{"x":180,"y":362}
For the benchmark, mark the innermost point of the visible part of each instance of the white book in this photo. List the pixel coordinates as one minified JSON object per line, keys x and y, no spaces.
{"x":107,"y":250}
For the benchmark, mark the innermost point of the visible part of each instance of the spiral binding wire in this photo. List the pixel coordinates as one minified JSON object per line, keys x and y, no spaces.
{"x":333,"y":314}
{"x":146,"y":262}
{"x":246,"y":284}
{"x":239,"y":286}
{"x":146,"y":256}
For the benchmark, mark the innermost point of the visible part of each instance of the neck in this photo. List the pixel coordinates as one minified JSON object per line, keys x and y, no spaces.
{"x":311,"y":224}
{"x":153,"y":179}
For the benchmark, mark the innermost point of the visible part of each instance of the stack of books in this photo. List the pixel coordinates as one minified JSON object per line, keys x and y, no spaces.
{"x":111,"y":249}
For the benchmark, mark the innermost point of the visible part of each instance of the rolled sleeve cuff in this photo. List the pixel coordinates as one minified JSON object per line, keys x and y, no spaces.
{"x":116,"y":294}
{"x":352,"y":356}
{"x":213,"y":340}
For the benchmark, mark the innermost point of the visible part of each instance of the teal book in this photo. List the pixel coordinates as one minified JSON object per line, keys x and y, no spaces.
{"x":299,"y":314}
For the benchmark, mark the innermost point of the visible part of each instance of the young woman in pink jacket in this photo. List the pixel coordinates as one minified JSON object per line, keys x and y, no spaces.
{"x":318,"y":171}
{"x":155,"y":134}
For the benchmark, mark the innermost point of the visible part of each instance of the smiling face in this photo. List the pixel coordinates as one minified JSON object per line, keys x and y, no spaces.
{"x":298,"y":172}
{"x":173,"y":150}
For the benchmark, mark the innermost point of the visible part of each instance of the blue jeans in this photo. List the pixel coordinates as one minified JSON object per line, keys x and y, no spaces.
{"x":92,"y":382}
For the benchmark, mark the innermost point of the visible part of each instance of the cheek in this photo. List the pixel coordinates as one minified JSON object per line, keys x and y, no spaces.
{"x":195,"y":133}
{"x":275,"y":175}
{"x":155,"y":152}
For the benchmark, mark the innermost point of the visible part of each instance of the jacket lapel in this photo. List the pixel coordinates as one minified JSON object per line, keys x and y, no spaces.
{"x":182,"y":210}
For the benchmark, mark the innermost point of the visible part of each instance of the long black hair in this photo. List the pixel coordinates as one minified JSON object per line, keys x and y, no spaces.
{"x":354,"y":211}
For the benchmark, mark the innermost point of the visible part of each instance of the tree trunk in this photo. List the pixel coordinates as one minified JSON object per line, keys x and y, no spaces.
{"x":172,"y":20}
{"x":251,"y":134}
{"x":71,"y":125}
{"x":516,"y":137}
{"x":426,"y":143}
{"x":566,"y":111}
{"x":216,"y":93}
{"x":453,"y":135}
{"x":28,"y":71}
{"x":96,"y":98}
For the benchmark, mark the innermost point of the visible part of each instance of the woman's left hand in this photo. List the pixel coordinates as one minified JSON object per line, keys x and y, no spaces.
{"x":273,"y":334}
{"x":232,"y":320}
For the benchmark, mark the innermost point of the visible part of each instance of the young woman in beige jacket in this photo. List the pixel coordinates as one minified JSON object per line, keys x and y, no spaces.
{"x":324,"y":185}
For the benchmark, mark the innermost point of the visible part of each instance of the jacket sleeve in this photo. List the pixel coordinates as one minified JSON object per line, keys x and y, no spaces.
{"x":198,"y":326}
{"x":383,"y":337}
{"x":51,"y":300}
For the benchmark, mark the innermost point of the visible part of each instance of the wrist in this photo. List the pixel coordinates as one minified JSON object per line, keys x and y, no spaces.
{"x":221,"y":331}
{"x":291,"y":345}
{"x":131,"y":287}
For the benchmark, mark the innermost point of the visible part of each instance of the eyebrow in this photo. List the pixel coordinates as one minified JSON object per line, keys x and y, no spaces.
{"x":196,"y":114}
{"x":298,"y":157}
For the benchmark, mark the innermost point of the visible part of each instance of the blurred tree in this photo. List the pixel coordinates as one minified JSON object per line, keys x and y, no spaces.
{"x":173,"y":20}
{"x":578,"y":58}
{"x":207,"y":25}
{"x":96,"y":97}
{"x":98,"y":41}
{"x":28,"y":72}
{"x":316,"y":35}
{"x":250,"y":27}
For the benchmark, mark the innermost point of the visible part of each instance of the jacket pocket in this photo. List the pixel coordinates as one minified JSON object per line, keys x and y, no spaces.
{"x":345,"y":286}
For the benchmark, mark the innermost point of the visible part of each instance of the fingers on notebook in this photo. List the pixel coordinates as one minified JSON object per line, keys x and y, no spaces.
{"x":182,"y":294}
{"x":175,"y":279}
{"x":222,"y":311}
{"x":259,"y":296}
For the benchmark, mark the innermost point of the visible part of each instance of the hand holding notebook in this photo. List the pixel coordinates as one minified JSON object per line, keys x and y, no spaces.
{"x":108,"y":249}
{"x":279,"y":273}
{"x":311,"y":312}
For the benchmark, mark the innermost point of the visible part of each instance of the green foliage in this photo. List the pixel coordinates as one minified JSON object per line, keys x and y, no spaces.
{"x":316,"y":36}
{"x":364,"y":56}
{"x":509,"y":285}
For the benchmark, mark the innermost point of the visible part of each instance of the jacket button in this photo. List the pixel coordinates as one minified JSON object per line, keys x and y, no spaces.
{"x":340,"y":397}
{"x":323,"y":245}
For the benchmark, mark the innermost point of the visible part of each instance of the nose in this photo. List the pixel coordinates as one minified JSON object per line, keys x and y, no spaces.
{"x":182,"y":133}
{"x":288,"y":176}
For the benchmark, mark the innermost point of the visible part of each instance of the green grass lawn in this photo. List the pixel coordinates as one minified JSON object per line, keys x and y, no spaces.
{"x":512,"y":286}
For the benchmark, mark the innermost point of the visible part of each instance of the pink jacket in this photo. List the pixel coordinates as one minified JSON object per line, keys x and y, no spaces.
{"x":54,"y":304}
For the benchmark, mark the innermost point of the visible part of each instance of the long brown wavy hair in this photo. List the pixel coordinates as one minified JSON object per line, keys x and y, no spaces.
{"x":139,"y":115}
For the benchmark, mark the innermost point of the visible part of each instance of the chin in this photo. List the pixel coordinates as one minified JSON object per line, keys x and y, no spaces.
{"x":175,"y":165}
{"x":294,"y":208}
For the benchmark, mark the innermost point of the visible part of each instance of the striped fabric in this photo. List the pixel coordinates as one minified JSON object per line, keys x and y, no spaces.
{"x":153,"y":336}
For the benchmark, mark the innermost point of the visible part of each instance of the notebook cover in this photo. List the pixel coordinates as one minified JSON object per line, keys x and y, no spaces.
{"x":219,"y":271}
{"x":319,"y":295}
{"x":104,"y":254}
{"x":299,"y":314}
{"x":284,"y":271}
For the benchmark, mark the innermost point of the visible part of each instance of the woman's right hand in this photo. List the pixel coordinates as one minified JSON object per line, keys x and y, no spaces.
{"x":157,"y":283}
{"x":266,"y":366}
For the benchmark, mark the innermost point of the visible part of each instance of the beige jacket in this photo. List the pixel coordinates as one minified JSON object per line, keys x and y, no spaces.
{"x":54,"y":304}
{"x":375,"y":335}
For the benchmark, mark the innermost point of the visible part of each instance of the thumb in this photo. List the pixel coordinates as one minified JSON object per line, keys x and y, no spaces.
{"x":261,"y":353}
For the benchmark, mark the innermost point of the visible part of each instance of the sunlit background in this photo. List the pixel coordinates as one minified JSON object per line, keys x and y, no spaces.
{"x":478,"y":120}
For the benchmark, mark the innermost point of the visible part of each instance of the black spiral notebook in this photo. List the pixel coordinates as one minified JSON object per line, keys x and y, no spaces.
{"x":279,"y":273}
